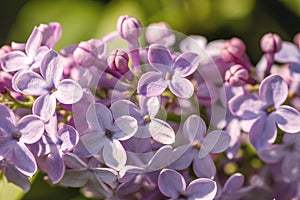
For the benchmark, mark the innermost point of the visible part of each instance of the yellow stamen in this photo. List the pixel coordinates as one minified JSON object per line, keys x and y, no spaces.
{"x":270,"y":109}
{"x":197,"y":145}
{"x":147,"y":119}
{"x":168,"y":76}
{"x":16,"y":136}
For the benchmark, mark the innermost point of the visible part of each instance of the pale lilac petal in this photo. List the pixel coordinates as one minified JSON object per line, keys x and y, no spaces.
{"x":186,"y":64}
{"x":234,"y":130}
{"x":263,"y":133}
{"x":23,"y":159}
{"x":205,"y":167}
{"x":38,"y":59}
{"x":289,"y":53}
{"x":152,"y":84}
{"x":108,"y":176}
{"x":75,"y":178}
{"x":114,"y":154}
{"x":171,"y":183}
{"x":287,"y":119}
{"x":215,"y":142}
{"x":193,"y":43}
{"x":126,"y":126}
{"x":202,"y":188}
{"x":55,"y":165}
{"x":160,"y":58}
{"x":273,"y":90}
{"x":73,"y":161}
{"x":185,"y":159}
{"x":14,"y":176}
{"x":234,"y":183}
{"x":150,"y":105}
{"x":291,"y":138}
{"x":272,"y":154}
{"x":34,"y":42}
{"x":14,"y":61}
{"x":69,"y":137}
{"x":31,"y":83}
{"x":7,"y":118}
{"x":161,"y":158}
{"x":125,"y":107}
{"x":93,"y":142}
{"x":291,"y":167}
{"x":52,"y":67}
{"x":68,"y":92}
{"x":181,"y":87}
{"x":99,"y":116}
{"x":44,"y":106}
{"x":246,"y":106}
{"x":32,"y":129}
{"x":194,"y":128}
{"x":161,"y":131}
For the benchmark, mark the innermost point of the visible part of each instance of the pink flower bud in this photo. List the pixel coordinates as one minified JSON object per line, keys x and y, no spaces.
{"x":233,"y":50}
{"x":4,"y":50}
{"x":129,"y":28}
{"x":86,"y":54}
{"x":118,"y":61}
{"x":237,"y":75}
{"x":297,"y":40}
{"x":270,"y":43}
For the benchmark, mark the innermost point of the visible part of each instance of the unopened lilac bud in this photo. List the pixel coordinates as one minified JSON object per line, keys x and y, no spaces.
{"x":271,"y":43}
{"x":237,"y":75}
{"x":86,"y":54}
{"x":4,"y":50}
{"x":118,"y":61}
{"x":297,"y":40}
{"x":233,"y":50}
{"x":129,"y":28}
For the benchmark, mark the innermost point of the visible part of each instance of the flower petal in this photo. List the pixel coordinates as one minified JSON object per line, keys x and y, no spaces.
{"x":93,"y":142}
{"x":31,"y":83}
{"x":32,"y":129}
{"x":55,"y":165}
{"x":201,"y":188}
{"x":289,"y":53}
{"x":126,"y":126}
{"x":99,"y":117}
{"x":246,"y":106}
{"x":14,"y":61}
{"x":114,"y":154}
{"x":68,"y":91}
{"x":152,"y":84}
{"x":273,"y":153}
{"x":52,"y":67}
{"x":287,"y":119}
{"x":124,"y":107}
{"x":7,"y":119}
{"x":186,"y":63}
{"x":186,"y":156}
{"x":273,"y":90}
{"x":16,"y":177}
{"x":69,"y":137}
{"x":194,"y":128}
{"x":291,"y":167}
{"x":215,"y":142}
{"x":263,"y":132}
{"x":161,"y":131}
{"x":34,"y":42}
{"x":75,"y":178}
{"x":160,"y":58}
{"x":234,"y":182}
{"x":161,"y":158}
{"x":44,"y":106}
{"x":181,"y":87}
{"x":205,"y":167}
{"x":171,"y":183}
{"x":149,"y":106}
{"x":73,"y":161}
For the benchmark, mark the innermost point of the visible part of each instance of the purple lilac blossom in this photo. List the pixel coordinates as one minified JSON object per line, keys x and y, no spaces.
{"x":199,"y":147}
{"x":48,"y":86}
{"x":267,"y":110}
{"x":173,"y":185}
{"x":170,"y":74}
{"x":14,"y":137}
{"x":106,"y":133}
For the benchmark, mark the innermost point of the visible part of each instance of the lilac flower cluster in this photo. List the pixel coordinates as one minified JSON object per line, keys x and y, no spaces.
{"x":156,"y":119}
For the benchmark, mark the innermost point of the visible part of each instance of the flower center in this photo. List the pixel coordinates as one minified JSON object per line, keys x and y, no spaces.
{"x":16,"y":136}
{"x":168,"y":76}
{"x":270,"y":109}
{"x":146,"y":119}
{"x":197,"y":145}
{"x":52,"y":90}
{"x":109,"y":133}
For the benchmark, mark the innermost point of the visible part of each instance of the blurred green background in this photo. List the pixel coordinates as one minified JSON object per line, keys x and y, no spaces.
{"x":85,"y":19}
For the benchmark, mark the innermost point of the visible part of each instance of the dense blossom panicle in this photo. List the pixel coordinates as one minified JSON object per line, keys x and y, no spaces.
{"x":169,"y":119}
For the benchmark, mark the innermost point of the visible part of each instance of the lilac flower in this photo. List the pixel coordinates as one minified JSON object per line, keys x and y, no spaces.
{"x":48,"y":86}
{"x":288,"y":153}
{"x":14,"y":137}
{"x":106,"y":134}
{"x":80,"y":173}
{"x":170,"y":74}
{"x":30,"y":59}
{"x":173,"y":185}
{"x":13,"y":175}
{"x":148,"y":125}
{"x":199,"y":147}
{"x":267,"y":110}
{"x":51,"y":33}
